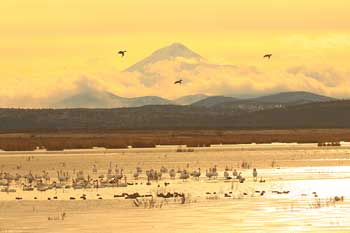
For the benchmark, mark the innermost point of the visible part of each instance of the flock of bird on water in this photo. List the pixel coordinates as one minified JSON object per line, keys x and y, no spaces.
{"x":112,"y":179}
{"x":122,"y":53}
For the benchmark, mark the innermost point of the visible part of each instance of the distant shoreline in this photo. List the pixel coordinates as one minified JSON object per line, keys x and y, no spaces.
{"x":171,"y":149}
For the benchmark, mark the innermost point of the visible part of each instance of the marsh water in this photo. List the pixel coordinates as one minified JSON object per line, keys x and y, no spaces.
{"x":295,"y":199}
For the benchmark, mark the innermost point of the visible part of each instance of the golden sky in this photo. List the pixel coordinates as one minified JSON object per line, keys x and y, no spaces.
{"x":47,"y":44}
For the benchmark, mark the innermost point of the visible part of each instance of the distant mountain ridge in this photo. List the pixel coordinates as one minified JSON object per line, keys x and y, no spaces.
{"x":269,"y":101}
{"x":103,"y":99}
{"x":190,"y":99}
{"x":214,"y":100}
{"x":293,"y":96}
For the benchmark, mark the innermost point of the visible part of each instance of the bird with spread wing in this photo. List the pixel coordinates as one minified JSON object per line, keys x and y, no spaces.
{"x":122,"y":52}
{"x":268,"y":56}
{"x":178,"y":82}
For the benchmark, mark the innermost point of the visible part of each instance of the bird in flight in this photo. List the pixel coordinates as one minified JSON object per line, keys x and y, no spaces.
{"x":178,"y":81}
{"x":122,"y":52}
{"x":268,"y":56}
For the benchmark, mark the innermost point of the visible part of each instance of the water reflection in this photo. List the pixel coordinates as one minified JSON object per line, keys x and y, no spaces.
{"x":305,"y":208}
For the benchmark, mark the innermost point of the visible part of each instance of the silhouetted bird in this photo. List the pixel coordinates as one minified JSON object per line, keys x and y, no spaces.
{"x":268,"y":56}
{"x":122,"y":52}
{"x":178,"y":81}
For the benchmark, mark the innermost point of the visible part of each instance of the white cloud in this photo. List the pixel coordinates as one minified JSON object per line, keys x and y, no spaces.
{"x":199,"y":77}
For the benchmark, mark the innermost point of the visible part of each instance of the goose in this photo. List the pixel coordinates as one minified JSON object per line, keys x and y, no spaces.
{"x":184,"y":175}
{"x":209,"y":173}
{"x":215,"y":173}
{"x":227,"y":175}
{"x":196,"y":174}
{"x":172,"y":173}
{"x":61,"y":176}
{"x":240,"y":178}
{"x":234,"y":173}
{"x":42,"y":187}
{"x":119,"y":175}
{"x":136,"y":175}
{"x":163,"y":169}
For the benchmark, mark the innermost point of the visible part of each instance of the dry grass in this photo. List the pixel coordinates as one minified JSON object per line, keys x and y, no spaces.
{"x":122,"y":139}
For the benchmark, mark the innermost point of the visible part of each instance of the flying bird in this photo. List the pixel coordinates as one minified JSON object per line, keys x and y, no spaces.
{"x":178,"y":81}
{"x":122,"y":52}
{"x":268,"y":56}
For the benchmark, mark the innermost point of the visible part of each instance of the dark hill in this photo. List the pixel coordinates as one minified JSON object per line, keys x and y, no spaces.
{"x":335,"y":114}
